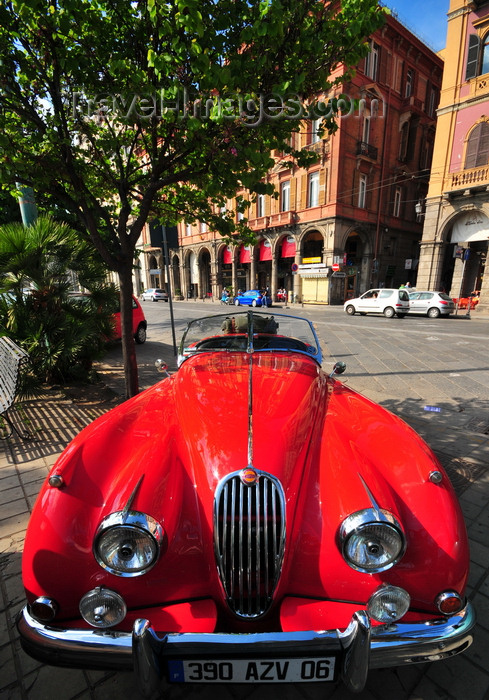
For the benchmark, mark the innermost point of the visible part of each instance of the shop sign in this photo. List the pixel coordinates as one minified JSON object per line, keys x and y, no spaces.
{"x":308,"y":261}
{"x":313,"y":266}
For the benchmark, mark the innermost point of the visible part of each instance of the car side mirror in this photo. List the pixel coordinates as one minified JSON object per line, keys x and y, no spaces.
{"x":338,"y":368}
{"x":162,"y":367}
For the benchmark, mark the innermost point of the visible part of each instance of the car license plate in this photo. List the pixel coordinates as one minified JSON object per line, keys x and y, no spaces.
{"x":252,"y":670}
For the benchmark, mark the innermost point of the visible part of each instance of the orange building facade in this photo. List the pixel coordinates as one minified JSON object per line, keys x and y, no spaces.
{"x":347,"y":222}
{"x":456,"y":230}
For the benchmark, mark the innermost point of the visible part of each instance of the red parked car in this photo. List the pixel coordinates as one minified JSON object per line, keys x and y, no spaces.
{"x":247,"y":519}
{"x":139,"y":323}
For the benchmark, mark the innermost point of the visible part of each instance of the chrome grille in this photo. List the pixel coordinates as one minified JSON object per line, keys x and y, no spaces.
{"x":249,"y":539}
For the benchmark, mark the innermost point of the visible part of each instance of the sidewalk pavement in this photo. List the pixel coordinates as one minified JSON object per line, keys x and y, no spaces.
{"x":55,"y":419}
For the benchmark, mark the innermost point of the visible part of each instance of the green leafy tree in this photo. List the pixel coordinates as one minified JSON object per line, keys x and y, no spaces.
{"x":123,"y":112}
{"x":62,"y":334}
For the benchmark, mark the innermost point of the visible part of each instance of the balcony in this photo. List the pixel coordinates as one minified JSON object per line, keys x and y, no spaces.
{"x":365,"y":150}
{"x":470,"y":178}
{"x":283,"y":218}
{"x":321,"y":148}
{"x":411,"y":102}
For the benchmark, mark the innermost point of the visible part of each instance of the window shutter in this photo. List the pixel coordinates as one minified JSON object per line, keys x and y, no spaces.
{"x":483,"y":150}
{"x":472,"y":57}
{"x":477,"y":153}
{"x":303,"y":200}
{"x":293,"y":190}
{"x":322,"y":186}
{"x":471,"y":153}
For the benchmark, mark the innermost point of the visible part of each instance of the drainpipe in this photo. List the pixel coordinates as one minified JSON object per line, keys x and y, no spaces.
{"x":381,"y":188}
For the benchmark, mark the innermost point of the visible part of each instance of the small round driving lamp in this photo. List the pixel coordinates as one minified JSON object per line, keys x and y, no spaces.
{"x":372,"y":540}
{"x":102,"y":608}
{"x":388,"y":604}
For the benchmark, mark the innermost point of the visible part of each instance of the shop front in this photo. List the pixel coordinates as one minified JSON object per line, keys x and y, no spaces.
{"x":314,"y":276}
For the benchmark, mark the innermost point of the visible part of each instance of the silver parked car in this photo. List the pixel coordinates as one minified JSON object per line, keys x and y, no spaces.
{"x":154,"y":295}
{"x":431,"y":304}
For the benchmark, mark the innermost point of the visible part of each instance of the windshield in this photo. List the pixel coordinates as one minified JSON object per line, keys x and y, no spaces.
{"x":250,"y":331}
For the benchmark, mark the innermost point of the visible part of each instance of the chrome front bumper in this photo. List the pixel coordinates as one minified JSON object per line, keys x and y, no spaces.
{"x":359,"y":648}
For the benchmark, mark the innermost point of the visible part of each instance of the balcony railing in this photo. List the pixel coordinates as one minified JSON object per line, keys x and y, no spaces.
{"x":365,"y":149}
{"x":468,"y":178}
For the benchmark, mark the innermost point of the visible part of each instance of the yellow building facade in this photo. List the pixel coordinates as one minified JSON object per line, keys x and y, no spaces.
{"x":453,"y":255}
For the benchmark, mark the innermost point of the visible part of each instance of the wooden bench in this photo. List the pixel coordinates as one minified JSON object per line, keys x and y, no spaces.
{"x":12,"y":358}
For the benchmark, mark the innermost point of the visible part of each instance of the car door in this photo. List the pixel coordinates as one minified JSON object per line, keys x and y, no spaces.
{"x":424,"y":302}
{"x":414,"y":303}
{"x":368,"y":301}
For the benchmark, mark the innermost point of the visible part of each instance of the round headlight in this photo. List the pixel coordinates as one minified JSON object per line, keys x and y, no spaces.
{"x":388,"y":604}
{"x":128,"y":544}
{"x":102,"y":608}
{"x":372,"y":541}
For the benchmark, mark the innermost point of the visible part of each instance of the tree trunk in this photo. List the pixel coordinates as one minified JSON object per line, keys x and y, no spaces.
{"x":128,"y":344}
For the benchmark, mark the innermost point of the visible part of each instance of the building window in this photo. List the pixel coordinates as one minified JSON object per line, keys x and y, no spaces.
{"x":188,"y":229}
{"x":313,"y":189}
{"x":409,"y":85}
{"x":315,"y":125}
{"x":362,"y":191}
{"x":432,"y":102}
{"x":404,"y":140}
{"x":366,"y":130}
{"x":477,"y":153}
{"x":485,"y":55}
{"x":285,"y":196}
{"x":477,"y":56}
{"x":260,"y":205}
{"x":203,"y":227}
{"x":397,"y":202}
{"x":372,"y":60}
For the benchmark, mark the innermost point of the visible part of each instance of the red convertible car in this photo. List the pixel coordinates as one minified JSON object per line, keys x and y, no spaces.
{"x":247,"y":519}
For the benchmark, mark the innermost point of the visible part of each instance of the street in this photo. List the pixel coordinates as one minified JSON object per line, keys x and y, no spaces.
{"x":401,"y":363}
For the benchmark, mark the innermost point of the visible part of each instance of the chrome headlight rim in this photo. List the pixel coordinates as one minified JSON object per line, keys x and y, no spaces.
{"x":357,"y":523}
{"x":132,"y":522}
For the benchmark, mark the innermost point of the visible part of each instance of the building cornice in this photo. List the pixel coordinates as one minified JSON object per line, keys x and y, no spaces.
{"x":462,"y":11}
{"x":457,"y":106}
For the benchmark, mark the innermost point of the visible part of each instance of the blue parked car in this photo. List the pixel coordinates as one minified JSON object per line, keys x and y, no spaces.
{"x":253,"y":297}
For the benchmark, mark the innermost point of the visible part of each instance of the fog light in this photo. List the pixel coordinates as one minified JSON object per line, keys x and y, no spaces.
{"x":102,"y":608}
{"x":388,"y":604}
{"x":43,"y":609}
{"x":449,"y":602}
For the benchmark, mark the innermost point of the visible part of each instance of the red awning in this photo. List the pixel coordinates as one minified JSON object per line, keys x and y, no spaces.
{"x":265,"y":250}
{"x":245,"y":254}
{"x":288,"y":247}
{"x":227,"y":256}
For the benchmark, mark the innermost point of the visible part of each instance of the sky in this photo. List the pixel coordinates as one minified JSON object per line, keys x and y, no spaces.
{"x":425,"y":18}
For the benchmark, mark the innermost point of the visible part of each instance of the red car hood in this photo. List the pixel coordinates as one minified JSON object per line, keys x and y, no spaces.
{"x":324,"y":443}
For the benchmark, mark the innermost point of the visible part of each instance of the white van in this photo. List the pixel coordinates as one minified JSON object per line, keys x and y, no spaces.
{"x":390,"y":302}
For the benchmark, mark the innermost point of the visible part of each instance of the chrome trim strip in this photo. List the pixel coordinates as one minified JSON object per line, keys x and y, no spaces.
{"x":127,"y":508}
{"x":390,"y":645}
